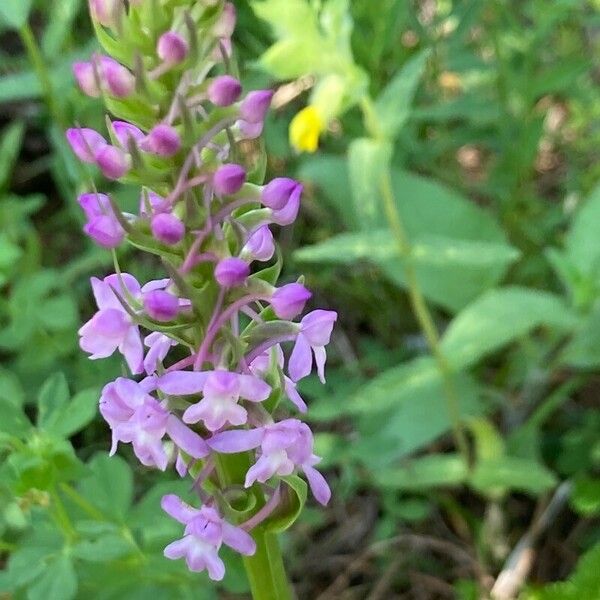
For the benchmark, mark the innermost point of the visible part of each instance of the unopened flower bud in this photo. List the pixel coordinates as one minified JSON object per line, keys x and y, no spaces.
{"x":113,"y":162}
{"x":224,"y":90}
{"x":255,"y":105}
{"x":288,"y":301}
{"x":231,"y":272}
{"x":118,"y":80}
{"x":229,"y":179}
{"x":102,"y":225}
{"x":250,"y":131}
{"x":160,"y":305}
{"x":86,"y":79}
{"x":126,"y":131}
{"x":225,"y":26}
{"x":260,"y":245}
{"x":278,"y":192}
{"x":85,"y":143}
{"x":162,"y":140}
{"x":172,"y":48}
{"x":167,"y":228}
{"x":105,"y":11}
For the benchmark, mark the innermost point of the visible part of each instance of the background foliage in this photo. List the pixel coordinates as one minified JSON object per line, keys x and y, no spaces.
{"x":485,"y":114}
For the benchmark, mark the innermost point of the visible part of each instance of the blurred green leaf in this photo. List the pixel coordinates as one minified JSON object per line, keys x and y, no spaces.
{"x":109,"y":546}
{"x":393,"y":106}
{"x":499,"y":317}
{"x":109,"y":486}
{"x":15,"y":13}
{"x":59,"y":26}
{"x":586,"y":496}
{"x":58,"y":582}
{"x":424,"y":473}
{"x":498,"y":475}
{"x":75,"y":415}
{"x":404,"y":408}
{"x":10,"y":147}
{"x":368,"y":161}
{"x":584,"y":583}
{"x":583,"y":243}
{"x":12,"y":419}
{"x":53,"y":397}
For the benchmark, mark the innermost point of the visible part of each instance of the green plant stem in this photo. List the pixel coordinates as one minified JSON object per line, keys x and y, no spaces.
{"x":265,"y":569}
{"x":421,"y":311}
{"x":39,"y":65}
{"x":61,"y":516}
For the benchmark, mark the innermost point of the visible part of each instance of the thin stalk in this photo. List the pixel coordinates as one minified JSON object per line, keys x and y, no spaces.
{"x":265,"y":569}
{"x":423,"y":315}
{"x":39,"y":66}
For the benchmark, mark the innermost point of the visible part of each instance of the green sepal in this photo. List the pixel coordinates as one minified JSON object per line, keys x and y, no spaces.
{"x":270,"y":274}
{"x":293,"y":498}
{"x":264,"y":331}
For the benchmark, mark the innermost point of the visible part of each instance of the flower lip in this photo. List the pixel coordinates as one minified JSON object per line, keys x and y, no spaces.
{"x":224,"y":90}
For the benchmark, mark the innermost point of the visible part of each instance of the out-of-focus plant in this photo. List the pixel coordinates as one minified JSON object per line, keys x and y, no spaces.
{"x":450,"y":255}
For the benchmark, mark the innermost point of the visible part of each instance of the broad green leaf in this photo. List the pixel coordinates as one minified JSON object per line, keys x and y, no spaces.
{"x":10,"y":147}
{"x":582,"y":243}
{"x":496,"y":476}
{"x":12,"y":419}
{"x":59,"y":312}
{"x":107,"y":547}
{"x":583,"y":351}
{"x":488,"y":442}
{"x":109,"y":485}
{"x":58,"y":582}
{"x":394,"y":105}
{"x":380,"y":247}
{"x":15,"y":13}
{"x":52,"y":398}
{"x":368,"y":161}
{"x":291,"y":58}
{"x":432,"y":214}
{"x":330,"y":175}
{"x":586,"y":496}
{"x":405,"y":408}
{"x":59,"y":26}
{"x":584,"y":583}
{"x":9,"y":253}
{"x":498,"y":318}
{"x":424,"y":473}
{"x":75,"y":415}
{"x":287,"y":17}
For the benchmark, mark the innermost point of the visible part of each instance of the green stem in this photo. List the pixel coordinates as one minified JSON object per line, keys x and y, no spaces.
{"x":265,"y":569}
{"x":39,"y":65}
{"x":421,"y":311}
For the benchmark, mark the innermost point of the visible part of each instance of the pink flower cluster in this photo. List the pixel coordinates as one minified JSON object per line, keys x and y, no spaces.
{"x":211,"y":365}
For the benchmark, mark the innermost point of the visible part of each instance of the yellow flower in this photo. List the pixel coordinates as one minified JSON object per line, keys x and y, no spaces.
{"x":305,"y":129}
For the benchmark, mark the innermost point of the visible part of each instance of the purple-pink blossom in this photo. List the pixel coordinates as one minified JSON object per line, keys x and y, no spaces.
{"x":205,"y":532}
{"x":136,"y":417}
{"x":112,"y":328}
{"x":284,"y":447}
{"x":221,"y":393}
{"x":314,"y":335}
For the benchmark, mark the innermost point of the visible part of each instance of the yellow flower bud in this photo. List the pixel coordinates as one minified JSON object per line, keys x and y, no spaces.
{"x":305,"y":129}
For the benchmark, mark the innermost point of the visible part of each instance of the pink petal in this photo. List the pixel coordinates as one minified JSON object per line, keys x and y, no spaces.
{"x":133,"y":351}
{"x":253,"y":389}
{"x":238,"y":539}
{"x":177,"y":549}
{"x":320,"y":358}
{"x":214,"y":565}
{"x":183,"y":383}
{"x":293,"y":395}
{"x":186,"y":439}
{"x":236,"y":440}
{"x":318,"y":485}
{"x":300,"y":362}
{"x":175,"y":507}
